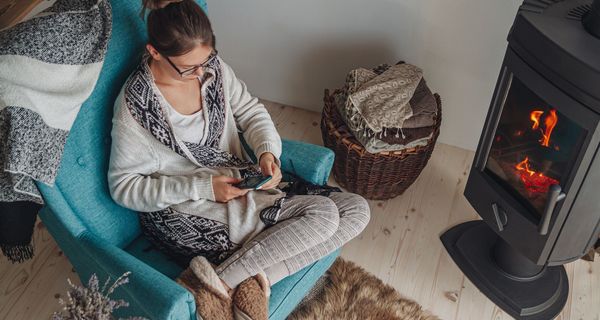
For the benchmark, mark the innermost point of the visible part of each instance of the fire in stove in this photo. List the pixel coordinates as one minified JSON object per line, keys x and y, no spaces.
{"x":537,"y":182}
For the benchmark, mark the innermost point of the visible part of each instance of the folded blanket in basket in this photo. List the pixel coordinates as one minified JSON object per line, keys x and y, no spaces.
{"x":413,"y":137}
{"x":49,"y":66}
{"x":388,"y":108}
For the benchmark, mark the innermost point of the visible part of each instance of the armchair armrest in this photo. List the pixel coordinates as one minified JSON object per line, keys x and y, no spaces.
{"x":150,"y":293}
{"x":311,"y":162}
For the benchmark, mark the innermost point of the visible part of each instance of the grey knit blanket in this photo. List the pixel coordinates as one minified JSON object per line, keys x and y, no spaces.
{"x":49,"y":66}
{"x":378,"y":102}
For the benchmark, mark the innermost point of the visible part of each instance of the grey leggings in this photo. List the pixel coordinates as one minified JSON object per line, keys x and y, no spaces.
{"x":309,"y":228}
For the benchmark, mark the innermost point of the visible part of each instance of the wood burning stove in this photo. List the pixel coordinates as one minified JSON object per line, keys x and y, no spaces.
{"x":535,"y":179}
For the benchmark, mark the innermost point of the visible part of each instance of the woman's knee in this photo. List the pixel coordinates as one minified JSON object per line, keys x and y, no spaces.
{"x":355,"y":207}
{"x":326,"y":214}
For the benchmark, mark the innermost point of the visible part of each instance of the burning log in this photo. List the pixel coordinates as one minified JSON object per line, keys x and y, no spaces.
{"x":535,"y":182}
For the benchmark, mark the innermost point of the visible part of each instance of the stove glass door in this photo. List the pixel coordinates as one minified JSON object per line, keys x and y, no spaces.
{"x":534,"y":146}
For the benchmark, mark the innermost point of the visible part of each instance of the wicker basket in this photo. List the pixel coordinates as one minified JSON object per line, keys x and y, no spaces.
{"x":375,"y":176}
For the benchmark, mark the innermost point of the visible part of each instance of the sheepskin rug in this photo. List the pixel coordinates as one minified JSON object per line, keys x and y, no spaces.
{"x":349,"y":292}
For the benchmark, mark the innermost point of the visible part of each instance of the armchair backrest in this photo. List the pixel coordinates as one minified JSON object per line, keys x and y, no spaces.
{"x":82,"y":175}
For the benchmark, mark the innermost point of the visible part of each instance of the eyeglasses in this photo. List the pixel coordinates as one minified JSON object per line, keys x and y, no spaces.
{"x":193,"y":69}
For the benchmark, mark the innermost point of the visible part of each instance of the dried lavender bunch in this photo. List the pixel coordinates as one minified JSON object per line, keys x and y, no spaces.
{"x":91,"y":303}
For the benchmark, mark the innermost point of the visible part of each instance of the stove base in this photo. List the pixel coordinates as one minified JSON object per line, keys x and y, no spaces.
{"x":539,"y":297}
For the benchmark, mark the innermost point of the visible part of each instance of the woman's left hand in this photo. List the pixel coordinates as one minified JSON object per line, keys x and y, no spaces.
{"x":269,"y":167}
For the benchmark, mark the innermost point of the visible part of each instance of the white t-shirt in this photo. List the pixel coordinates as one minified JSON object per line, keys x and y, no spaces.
{"x":189,"y":128}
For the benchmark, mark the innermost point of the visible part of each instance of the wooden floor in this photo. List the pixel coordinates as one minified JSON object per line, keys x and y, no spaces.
{"x":400,"y":246}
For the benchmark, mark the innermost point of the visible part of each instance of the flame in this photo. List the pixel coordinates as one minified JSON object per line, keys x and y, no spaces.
{"x":535,"y":117}
{"x":533,"y":181}
{"x":524,"y":166}
{"x":550,"y":122}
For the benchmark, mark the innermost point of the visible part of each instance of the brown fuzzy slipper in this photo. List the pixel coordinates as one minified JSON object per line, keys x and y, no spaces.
{"x":251,"y":299}
{"x":212,"y":298}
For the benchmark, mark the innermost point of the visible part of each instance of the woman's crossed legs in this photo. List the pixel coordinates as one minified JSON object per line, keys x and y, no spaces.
{"x":309,"y":228}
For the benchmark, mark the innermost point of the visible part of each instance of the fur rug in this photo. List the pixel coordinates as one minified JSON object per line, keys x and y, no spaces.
{"x":349,"y":292}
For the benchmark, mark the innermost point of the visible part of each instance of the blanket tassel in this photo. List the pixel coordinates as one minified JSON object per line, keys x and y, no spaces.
{"x":17,"y":253}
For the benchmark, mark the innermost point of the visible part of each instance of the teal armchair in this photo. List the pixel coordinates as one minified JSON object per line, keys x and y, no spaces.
{"x":99,"y":236}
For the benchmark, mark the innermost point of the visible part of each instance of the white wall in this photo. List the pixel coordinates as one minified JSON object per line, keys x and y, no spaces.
{"x":290,"y":51}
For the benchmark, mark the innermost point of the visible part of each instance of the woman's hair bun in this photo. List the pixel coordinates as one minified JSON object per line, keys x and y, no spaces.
{"x":157,"y":4}
{"x":176,"y":26}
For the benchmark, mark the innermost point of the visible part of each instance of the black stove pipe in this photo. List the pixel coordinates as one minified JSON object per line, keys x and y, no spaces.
{"x":591,"y":21}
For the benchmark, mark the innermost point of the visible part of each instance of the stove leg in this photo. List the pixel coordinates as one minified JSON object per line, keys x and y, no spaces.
{"x":523,"y":289}
{"x":514,"y":263}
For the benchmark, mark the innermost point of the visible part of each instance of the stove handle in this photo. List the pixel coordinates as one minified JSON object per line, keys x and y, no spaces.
{"x":555,"y":195}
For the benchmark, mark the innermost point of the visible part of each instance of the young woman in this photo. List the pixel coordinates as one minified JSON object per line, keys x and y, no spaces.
{"x":176,"y":153}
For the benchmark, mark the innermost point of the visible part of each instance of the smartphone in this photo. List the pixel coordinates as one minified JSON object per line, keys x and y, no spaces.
{"x":253,"y":182}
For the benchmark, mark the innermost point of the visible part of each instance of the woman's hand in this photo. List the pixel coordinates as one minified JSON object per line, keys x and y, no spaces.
{"x":269,"y":167}
{"x":223,"y":189}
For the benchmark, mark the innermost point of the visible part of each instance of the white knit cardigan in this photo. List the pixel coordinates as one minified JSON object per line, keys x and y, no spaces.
{"x":145,"y":175}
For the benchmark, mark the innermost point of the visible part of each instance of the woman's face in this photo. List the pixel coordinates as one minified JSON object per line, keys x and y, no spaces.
{"x":185,"y":64}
